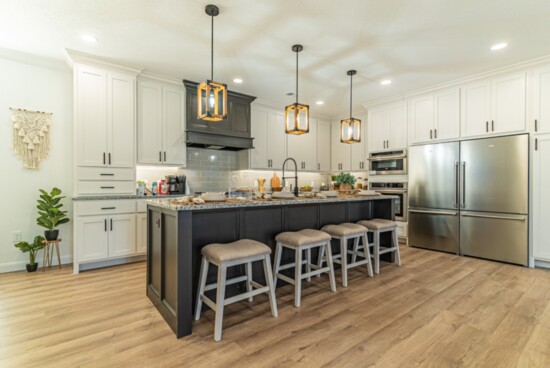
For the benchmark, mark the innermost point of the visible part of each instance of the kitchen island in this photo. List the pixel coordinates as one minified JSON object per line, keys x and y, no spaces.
{"x":176,"y":234}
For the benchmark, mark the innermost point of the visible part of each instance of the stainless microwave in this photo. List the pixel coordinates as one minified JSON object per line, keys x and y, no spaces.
{"x":388,"y":163}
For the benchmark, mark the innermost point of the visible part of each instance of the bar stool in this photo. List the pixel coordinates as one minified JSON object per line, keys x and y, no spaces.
{"x":345,"y":232}
{"x":299,"y":241}
{"x":243,"y":251}
{"x":378,"y":226}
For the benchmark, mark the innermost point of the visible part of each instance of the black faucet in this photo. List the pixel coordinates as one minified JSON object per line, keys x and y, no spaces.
{"x":295,"y":177}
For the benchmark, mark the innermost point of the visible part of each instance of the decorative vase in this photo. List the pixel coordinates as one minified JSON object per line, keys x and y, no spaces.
{"x":32,"y":267}
{"x":51,"y":235}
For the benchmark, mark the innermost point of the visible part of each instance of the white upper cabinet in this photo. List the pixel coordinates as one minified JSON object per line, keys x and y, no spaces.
{"x":388,"y":127}
{"x":303,"y":148}
{"x":435,"y":117}
{"x":323,"y":145}
{"x":494,"y":106}
{"x":268,"y":131}
{"x":161,"y":124}
{"x":540,"y":110}
{"x":341,"y":152}
{"x":105,"y":117}
{"x":359,"y":150}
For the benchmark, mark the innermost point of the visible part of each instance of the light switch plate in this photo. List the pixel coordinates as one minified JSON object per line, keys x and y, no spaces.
{"x":17,"y":236}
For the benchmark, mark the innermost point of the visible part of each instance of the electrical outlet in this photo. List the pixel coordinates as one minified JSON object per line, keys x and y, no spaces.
{"x":17,"y":236}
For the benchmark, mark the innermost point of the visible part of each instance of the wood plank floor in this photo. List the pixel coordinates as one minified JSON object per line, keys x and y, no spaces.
{"x":437,"y":310}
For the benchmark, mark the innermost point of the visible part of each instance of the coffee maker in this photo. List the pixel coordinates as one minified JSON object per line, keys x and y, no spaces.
{"x":176,"y":184}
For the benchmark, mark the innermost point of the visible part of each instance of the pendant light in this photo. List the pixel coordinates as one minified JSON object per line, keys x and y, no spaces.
{"x":350,"y":129}
{"x":211,"y":95}
{"x":297,"y":114}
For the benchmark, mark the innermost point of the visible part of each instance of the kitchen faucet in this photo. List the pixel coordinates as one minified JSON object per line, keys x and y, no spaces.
{"x":295,"y":177}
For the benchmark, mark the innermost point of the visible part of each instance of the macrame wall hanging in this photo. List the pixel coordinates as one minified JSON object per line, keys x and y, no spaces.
{"x":31,"y":136}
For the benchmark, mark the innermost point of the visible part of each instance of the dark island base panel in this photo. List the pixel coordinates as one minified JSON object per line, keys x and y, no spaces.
{"x":176,"y":238}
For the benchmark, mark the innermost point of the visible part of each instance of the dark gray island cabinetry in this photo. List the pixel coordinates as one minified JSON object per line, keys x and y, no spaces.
{"x":176,"y":234}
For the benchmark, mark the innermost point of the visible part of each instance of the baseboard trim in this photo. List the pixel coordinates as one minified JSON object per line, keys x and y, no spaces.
{"x":20,"y":265}
{"x":542,"y":264}
{"x":111,"y":262}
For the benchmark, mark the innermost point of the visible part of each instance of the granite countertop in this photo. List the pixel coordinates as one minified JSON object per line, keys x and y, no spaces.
{"x":103,"y":197}
{"x":165,"y":203}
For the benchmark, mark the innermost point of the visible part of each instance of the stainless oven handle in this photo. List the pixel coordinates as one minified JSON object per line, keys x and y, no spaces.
{"x":463,"y":186}
{"x":514,"y":218}
{"x":457,"y":184}
{"x":384,"y":191}
{"x":445,"y":213}
{"x":386,"y":158}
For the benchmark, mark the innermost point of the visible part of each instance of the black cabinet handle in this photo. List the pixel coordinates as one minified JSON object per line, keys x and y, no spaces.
{"x":487,"y":126}
{"x":493,"y":125}
{"x":106,"y":174}
{"x":435,"y":133}
{"x":109,"y":158}
{"x":108,"y":208}
{"x":160,"y":156}
{"x":103,"y":158}
{"x":111,"y":220}
{"x":431,"y":136}
{"x":107,"y":187}
{"x":105,"y":224}
{"x":164,"y":156}
{"x":536,"y":144}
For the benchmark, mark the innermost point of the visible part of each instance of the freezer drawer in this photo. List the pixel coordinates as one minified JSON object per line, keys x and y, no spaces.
{"x":434,"y":229}
{"x":495,"y":236}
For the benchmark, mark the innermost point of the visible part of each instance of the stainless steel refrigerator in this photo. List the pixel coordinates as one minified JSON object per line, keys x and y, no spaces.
{"x":471,"y":197}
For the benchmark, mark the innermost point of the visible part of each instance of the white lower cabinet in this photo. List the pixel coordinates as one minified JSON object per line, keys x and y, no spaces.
{"x":92,"y":238}
{"x":122,"y":235}
{"x":541,"y":198}
{"x":141,"y":244}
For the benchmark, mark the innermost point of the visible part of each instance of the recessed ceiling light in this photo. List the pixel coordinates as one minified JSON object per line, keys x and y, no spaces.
{"x":499,"y":46}
{"x":89,"y":38}
{"x":385,"y":82}
{"x":320,"y":102}
{"x":237,"y":80}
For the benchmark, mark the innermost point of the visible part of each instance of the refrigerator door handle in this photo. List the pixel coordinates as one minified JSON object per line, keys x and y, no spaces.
{"x":457,"y":184}
{"x":444,"y":213}
{"x":513,"y":218}
{"x":463,"y":186}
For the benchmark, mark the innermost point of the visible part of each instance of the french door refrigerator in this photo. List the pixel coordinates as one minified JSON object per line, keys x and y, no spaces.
{"x":471,"y":197}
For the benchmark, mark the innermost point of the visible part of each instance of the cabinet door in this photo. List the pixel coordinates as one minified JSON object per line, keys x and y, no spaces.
{"x":258,"y":155}
{"x":92,"y":238}
{"x":541,"y":199}
{"x":323,"y":145}
{"x":397,"y":119}
{"x":541,"y":100}
{"x":379,"y":129}
{"x":149,"y":123}
{"x":121,"y":119}
{"x":303,"y":148}
{"x":508,"y":104}
{"x":476,"y":109}
{"x":173,"y":138}
{"x":421,"y":119}
{"x":276,"y":142}
{"x":91,"y":116}
{"x":122,"y":235}
{"x":341,"y":152}
{"x":141,"y":224}
{"x":358,"y":153}
{"x":447,"y":114}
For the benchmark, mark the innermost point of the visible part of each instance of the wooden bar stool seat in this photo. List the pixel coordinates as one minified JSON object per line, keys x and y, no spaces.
{"x":378,"y":226}
{"x":345,"y":232}
{"x":240,"y":252}
{"x":299,"y":241}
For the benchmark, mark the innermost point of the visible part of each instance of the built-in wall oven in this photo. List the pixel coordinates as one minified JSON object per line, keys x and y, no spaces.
{"x":396,"y":189}
{"x":388,"y":163}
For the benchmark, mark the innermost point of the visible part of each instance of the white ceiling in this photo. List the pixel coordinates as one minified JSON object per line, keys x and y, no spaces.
{"x":414,"y":43}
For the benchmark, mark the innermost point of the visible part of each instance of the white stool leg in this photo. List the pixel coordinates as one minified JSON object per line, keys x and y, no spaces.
{"x":331,"y":267}
{"x":249,"y":279}
{"x":355,"y":250}
{"x":395,"y":241}
{"x":308,"y":263}
{"x":277,"y":262}
{"x":376,"y":251}
{"x":297,"y":277}
{"x":320,"y":260}
{"x":344,"y":260}
{"x":220,"y":299}
{"x":366,"y":251}
{"x":269,"y":282}
{"x":202,"y":284}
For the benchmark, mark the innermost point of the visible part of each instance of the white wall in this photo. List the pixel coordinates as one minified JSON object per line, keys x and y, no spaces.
{"x":33,"y":85}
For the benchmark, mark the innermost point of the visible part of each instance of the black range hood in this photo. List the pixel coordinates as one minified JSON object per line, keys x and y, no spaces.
{"x":232,"y":134}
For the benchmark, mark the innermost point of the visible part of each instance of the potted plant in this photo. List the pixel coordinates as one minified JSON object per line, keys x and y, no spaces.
{"x":32,"y":248}
{"x":345,"y":182}
{"x":50,"y":213}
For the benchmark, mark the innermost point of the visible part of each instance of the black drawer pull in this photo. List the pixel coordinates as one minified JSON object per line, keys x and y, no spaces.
{"x":107,"y":187}
{"x":106,"y":174}
{"x":108,"y":208}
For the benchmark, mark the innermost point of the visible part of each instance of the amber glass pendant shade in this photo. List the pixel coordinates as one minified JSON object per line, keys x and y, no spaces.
{"x":297,"y":119}
{"x":350,"y":131}
{"x":212,"y":101}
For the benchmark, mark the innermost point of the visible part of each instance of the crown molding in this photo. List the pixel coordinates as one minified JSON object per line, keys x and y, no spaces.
{"x":161,"y":78}
{"x":521,"y":66}
{"x":34,"y":60}
{"x":74,"y":56}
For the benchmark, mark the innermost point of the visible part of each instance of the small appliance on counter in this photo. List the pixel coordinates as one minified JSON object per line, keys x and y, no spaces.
{"x":176,"y":184}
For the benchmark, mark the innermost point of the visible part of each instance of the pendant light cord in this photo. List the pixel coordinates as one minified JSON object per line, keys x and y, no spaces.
{"x":350,"y":94}
{"x":296,"y":76}
{"x":212,"y":50}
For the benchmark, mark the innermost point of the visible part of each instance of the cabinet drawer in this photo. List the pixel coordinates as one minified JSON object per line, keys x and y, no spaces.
{"x":105,"y":207}
{"x":142,"y":205}
{"x":105,"y":187}
{"x":104,"y":173}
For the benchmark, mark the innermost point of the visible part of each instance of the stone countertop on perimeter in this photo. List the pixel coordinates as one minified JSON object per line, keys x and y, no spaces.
{"x":165,"y":203}
{"x":103,"y":197}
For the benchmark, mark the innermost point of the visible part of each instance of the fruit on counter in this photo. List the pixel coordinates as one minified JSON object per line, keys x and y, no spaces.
{"x":305,"y":188}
